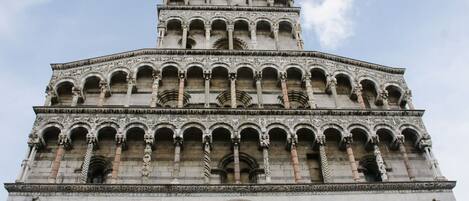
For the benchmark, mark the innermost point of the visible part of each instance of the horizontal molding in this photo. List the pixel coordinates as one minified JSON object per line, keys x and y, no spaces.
{"x":229,"y":8}
{"x":241,"y":188}
{"x":223,"y":111}
{"x":195,"y":52}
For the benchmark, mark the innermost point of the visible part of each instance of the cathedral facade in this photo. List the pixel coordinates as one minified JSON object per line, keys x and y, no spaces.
{"x":228,"y":107}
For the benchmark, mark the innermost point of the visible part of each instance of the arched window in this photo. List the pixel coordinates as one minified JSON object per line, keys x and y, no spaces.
{"x":99,"y":170}
{"x":247,"y":165}
{"x":369,"y":168}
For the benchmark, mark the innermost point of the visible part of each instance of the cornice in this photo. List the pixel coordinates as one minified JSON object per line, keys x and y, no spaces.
{"x":222,"y":111}
{"x":229,"y":8}
{"x":241,"y":188}
{"x":197,"y":52}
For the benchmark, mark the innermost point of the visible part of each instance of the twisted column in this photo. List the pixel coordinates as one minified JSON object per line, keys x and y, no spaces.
{"x":379,"y":159}
{"x":309,"y":91}
{"x":207,"y":77}
{"x":351,"y":157}
{"x":332,"y":87}
{"x":181,"y":90}
{"x":325,"y":169}
{"x":283,"y":80}
{"x":260,"y":100}
{"x":207,"y":161}
{"x":237,"y":171}
{"x":265,"y":143}
{"x":155,"y":88}
{"x":402,"y":149}
{"x":91,"y":139}
{"x":63,"y":140}
{"x":233,"y":90}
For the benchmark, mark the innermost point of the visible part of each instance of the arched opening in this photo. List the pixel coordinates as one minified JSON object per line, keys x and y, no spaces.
{"x":239,"y":2}
{"x":250,"y":147}
{"x":168,"y":90}
{"x":163,"y":156}
{"x":192,"y":161}
{"x":221,"y":146}
{"x":271,"y":88}
{"x":308,"y":156}
{"x":145,"y":79}
{"x":344,"y":86}
{"x":64,"y":94}
{"x":99,"y":170}
{"x":318,"y":81}
{"x":247,"y":165}
{"x":91,"y":90}
{"x":278,"y":142}
{"x":135,"y":146}
{"x":370,"y":169}
{"x":119,"y":83}
{"x":286,"y":38}
{"x":339,"y":159}
{"x":219,"y":35}
{"x":195,"y":85}
{"x":173,"y":34}
{"x":394,"y":96}
{"x":196,"y":36}
{"x":296,"y":94}
{"x":369,"y":93}
{"x":264,"y":34}
{"x":241,"y":33}
{"x":50,"y":136}
{"x":106,"y":142}
{"x":220,"y":84}
{"x":245,"y":87}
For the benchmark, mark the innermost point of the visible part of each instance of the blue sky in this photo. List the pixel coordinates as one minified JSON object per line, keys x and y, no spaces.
{"x":428,"y":37}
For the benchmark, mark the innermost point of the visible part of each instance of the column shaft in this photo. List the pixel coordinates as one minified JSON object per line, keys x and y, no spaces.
{"x":29,"y":162}
{"x":207,"y":37}
{"x":56,"y":163}
{"x":181,"y":93}
{"x":86,"y":162}
{"x":325,"y":169}
{"x":177,"y":161}
{"x":268,"y":173}
{"x":353,"y":163}
{"x":260,"y":100}
{"x":334,"y":95}
{"x":116,"y":163}
{"x":184,"y":38}
{"x":230,"y":38}
{"x":161,"y":34}
{"x":295,"y":163}
{"x":154,"y":93}
{"x":253,"y":37}
{"x":146,"y":166}
{"x":102,"y":97}
{"x":380,"y":163}
{"x":433,"y":163}
{"x":207,"y":163}
{"x":207,"y":91}
{"x":276,"y":39}
{"x":309,"y":91}
{"x":410,"y":170}
{"x":237,"y":172}
{"x":130,"y":87}
{"x":286,"y":101}
{"x":24,"y":164}
{"x":233,"y":93}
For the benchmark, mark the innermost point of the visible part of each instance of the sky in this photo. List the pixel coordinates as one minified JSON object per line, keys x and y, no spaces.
{"x":430,"y":38}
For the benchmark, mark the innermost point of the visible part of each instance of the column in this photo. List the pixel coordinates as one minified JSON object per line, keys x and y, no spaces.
{"x":275,"y":30}
{"x":165,"y":2}
{"x":379,"y":159}
{"x":402,"y":149}
{"x":177,"y":159}
{"x":253,"y":35}
{"x":408,"y":99}
{"x":130,"y":87}
{"x":50,"y":93}
{"x":230,"y":29}
{"x":146,"y":165}
{"x":207,"y":161}
{"x":295,"y":161}
{"x":63,"y":140}
{"x":155,"y":88}
{"x":309,"y":91}
{"x":117,"y":157}
{"x":383,"y":98}
{"x":237,"y":171}
{"x":207,"y":77}
{"x":351,"y":158}
{"x":208,"y":28}
{"x":233,"y":90}
{"x":325,"y":169}
{"x":76,"y":96}
{"x":260,"y":100}
{"x":31,"y":155}
{"x":426,"y":145}
{"x":161,"y":33}
{"x":299,"y":40}
{"x":24,"y":165}
{"x":91,"y":139}
{"x":283,"y":80}
{"x":182,"y":76}
{"x":186,"y":2}
{"x":103,"y":90}
{"x":331,"y":86}
{"x":184,"y":36}
{"x":357,"y":90}
{"x":265,"y":143}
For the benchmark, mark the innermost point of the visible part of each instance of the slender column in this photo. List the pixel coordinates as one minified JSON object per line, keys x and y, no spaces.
{"x":33,"y":143}
{"x":426,"y":145}
{"x":182,"y":76}
{"x":103,"y":90}
{"x":295,"y":161}
{"x":50,"y":93}
{"x":351,"y":157}
{"x":230,"y":30}
{"x":283,"y":80}
{"x":24,"y":165}
{"x":184,"y":36}
{"x":358,"y":91}
{"x":233,"y":90}
{"x":207,"y":161}
{"x":161,"y":33}
{"x":165,"y":2}
{"x":383,"y":98}
{"x":207,"y":77}
{"x":379,"y":159}
{"x":31,"y":158}
{"x":208,"y":28}
{"x":177,"y":159}
{"x":63,"y":140}
{"x":146,"y":165}
{"x":260,"y":100}
{"x":237,"y":172}
{"x":253,"y":36}
{"x":309,"y":91}
{"x":265,"y":143}
{"x":91,"y":139}
{"x":130,"y":87}
{"x":76,"y":96}
{"x":332,"y":87}
{"x":275,"y":30}
{"x":155,"y":88}
{"x":299,"y":40}
{"x":120,"y":139}
{"x":402,"y":149}
{"x":325,"y":169}
{"x":408,"y":98}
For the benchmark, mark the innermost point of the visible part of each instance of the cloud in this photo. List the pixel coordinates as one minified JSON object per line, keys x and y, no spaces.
{"x":11,"y":11}
{"x":329,"y":19}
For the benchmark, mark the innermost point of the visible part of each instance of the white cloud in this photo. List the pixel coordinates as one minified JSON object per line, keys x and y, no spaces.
{"x":329,"y":19}
{"x":11,"y":11}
